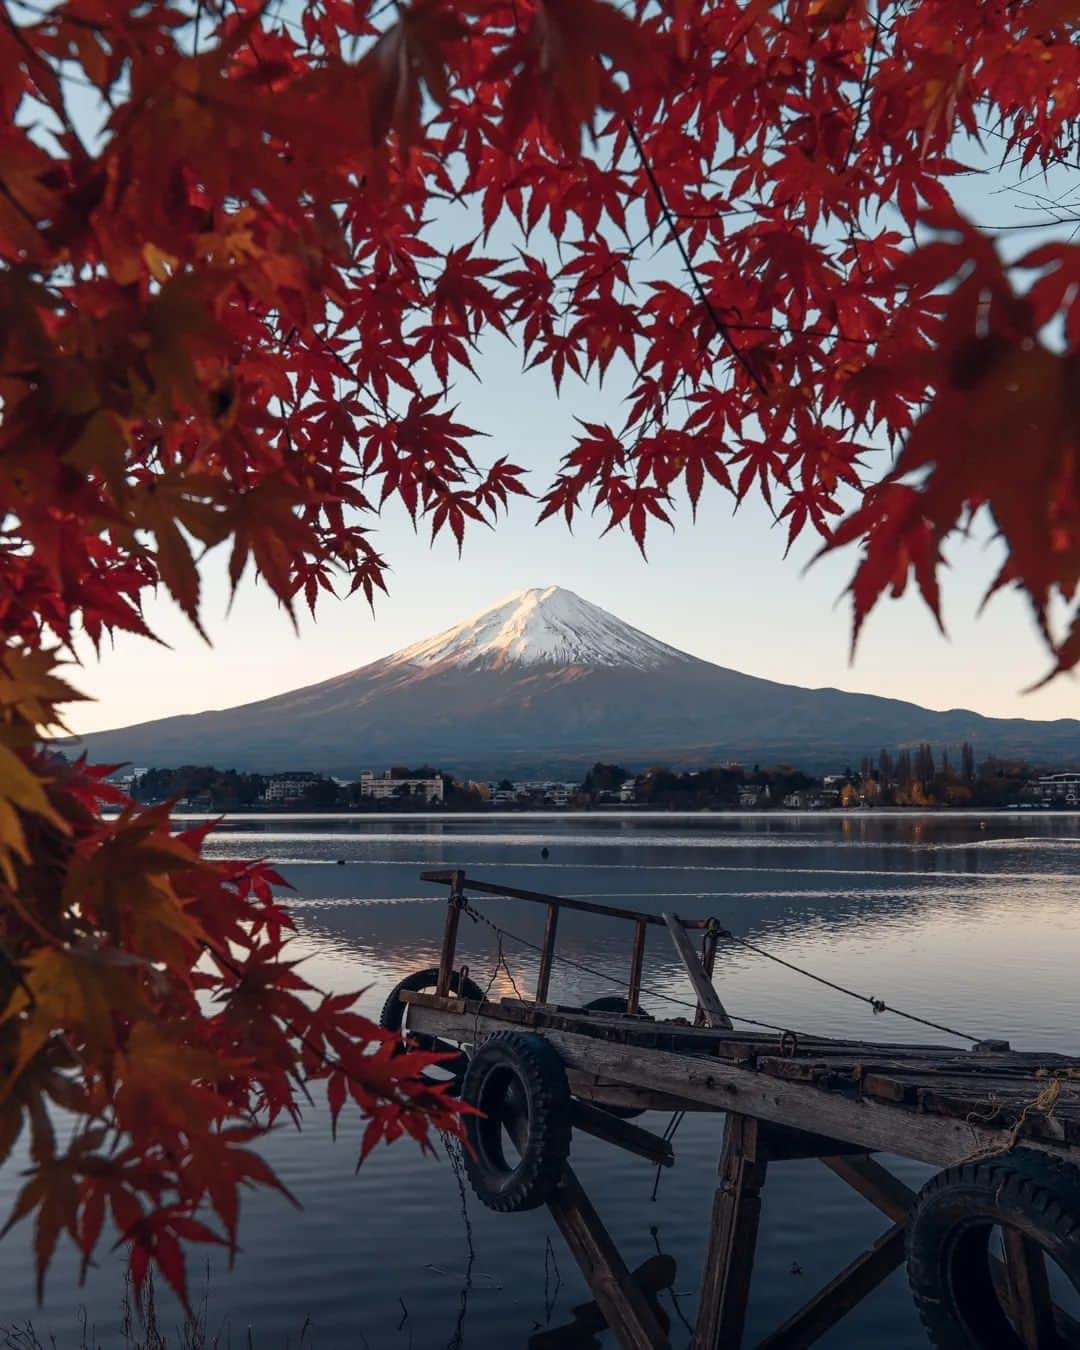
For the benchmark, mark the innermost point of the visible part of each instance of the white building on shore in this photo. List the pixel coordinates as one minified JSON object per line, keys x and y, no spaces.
{"x":384,"y":788}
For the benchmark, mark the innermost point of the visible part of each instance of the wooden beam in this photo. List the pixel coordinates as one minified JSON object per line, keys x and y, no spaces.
{"x":707,"y":997}
{"x":637,"y":960}
{"x":729,"y":1257}
{"x":655,"y":1274}
{"x":840,"y":1295}
{"x":622,"y":1133}
{"x":445,"y":877}
{"x":625,"y":1308}
{"x":874,"y":1183}
{"x":601,"y":1091}
{"x":547,"y":953}
{"x":449,"y":943}
{"x":1029,"y":1291}
{"x":780,"y":1143}
{"x":716,"y":1084}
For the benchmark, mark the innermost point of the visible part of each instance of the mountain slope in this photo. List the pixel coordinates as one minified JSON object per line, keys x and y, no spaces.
{"x":545,"y":683}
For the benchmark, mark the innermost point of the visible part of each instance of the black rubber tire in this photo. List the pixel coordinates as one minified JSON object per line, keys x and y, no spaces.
{"x":948,"y":1257}
{"x":393,"y":1013}
{"x":420,"y":981}
{"x":523,"y":1070}
{"x":612,"y":1003}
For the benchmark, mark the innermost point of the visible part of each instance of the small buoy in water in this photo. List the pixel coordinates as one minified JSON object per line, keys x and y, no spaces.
{"x":544,"y":852}
{"x":982,"y":824}
{"x":341,"y":862}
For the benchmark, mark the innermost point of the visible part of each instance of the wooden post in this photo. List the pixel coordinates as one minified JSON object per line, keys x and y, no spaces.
{"x":1029,"y":1291}
{"x":637,"y":960}
{"x":547,"y":953}
{"x":874,"y":1183}
{"x":613,"y":1130}
{"x":729,"y":1258}
{"x":708,"y":962}
{"x":708,"y":999}
{"x":624,"y":1306}
{"x":840,"y":1295}
{"x":449,"y":944}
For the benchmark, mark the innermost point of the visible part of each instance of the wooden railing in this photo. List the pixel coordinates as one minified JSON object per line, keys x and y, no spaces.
{"x":462,"y":886}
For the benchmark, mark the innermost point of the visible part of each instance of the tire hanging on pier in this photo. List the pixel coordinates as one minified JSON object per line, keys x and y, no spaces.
{"x":963,"y":1227}
{"x":519,"y":1083}
{"x":392,"y":1017}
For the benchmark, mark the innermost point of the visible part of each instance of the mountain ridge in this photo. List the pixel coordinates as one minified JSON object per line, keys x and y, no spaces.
{"x":544,"y":682}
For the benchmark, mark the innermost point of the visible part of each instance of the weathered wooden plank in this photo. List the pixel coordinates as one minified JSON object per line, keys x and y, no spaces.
{"x":547,"y":953}
{"x":729,"y":1256}
{"x":708,"y":998}
{"x":622,"y":1133}
{"x":839,"y":1296}
{"x":877,"y":1126}
{"x":596,"y":1088}
{"x":653,"y":1275}
{"x":625,"y":1307}
{"x":637,"y":961}
{"x":449,"y":942}
{"x":1029,"y":1291}
{"x":443,"y":877}
{"x":874,"y":1183}
{"x":780,"y":1143}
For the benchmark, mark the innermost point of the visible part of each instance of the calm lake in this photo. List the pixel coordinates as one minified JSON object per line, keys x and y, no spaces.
{"x":971,"y":921}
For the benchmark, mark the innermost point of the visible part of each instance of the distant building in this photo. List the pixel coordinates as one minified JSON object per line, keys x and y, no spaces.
{"x":754,"y":794}
{"x":1061,"y":788}
{"x":628,"y":791}
{"x":289,"y":787}
{"x":812,"y":799}
{"x":384,"y":788}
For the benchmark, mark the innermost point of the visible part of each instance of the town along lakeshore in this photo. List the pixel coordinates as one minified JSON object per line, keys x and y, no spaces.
{"x":974,"y":920}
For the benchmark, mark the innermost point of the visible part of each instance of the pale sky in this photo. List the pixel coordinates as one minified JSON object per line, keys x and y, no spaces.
{"x":718,"y":588}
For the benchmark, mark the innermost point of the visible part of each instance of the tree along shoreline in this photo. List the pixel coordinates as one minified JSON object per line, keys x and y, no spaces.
{"x":915,"y":779}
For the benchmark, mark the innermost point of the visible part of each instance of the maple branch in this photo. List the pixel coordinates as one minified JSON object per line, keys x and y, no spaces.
{"x":864,"y":85}
{"x":719,"y":324}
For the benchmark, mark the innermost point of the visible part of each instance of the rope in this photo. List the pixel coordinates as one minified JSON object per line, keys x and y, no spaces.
{"x":669,"y":1134}
{"x":878,"y":1005}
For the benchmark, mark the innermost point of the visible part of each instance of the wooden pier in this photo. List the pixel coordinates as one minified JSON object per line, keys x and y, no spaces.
{"x":1003,"y":1122}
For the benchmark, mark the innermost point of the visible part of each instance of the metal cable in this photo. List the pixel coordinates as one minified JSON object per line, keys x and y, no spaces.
{"x":877,"y":1004}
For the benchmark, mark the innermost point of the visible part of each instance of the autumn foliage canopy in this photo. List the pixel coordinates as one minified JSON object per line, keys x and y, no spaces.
{"x":246,"y":250}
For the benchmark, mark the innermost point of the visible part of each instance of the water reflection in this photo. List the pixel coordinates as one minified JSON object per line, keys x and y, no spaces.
{"x":977,"y":927}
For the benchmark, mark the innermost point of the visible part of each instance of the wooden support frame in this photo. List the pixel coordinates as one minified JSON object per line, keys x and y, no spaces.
{"x":720,"y":1085}
{"x":449,"y":944}
{"x":1029,"y":1291}
{"x":626,"y":1309}
{"x":708,"y":963}
{"x":708,"y":999}
{"x":841,"y":1294}
{"x":655,"y":1274}
{"x":637,"y":961}
{"x":729,"y":1257}
{"x":547,"y":953}
{"x":622,"y":1133}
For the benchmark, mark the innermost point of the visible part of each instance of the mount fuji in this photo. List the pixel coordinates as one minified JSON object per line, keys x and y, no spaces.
{"x":545,"y":683}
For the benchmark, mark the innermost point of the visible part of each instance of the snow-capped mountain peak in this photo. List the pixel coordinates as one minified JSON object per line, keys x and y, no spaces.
{"x":548,"y":626}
